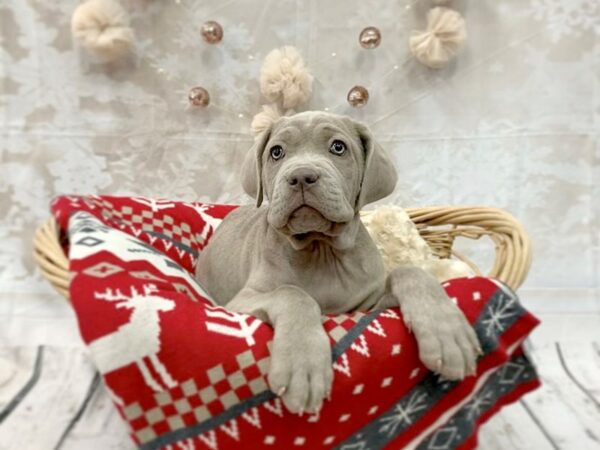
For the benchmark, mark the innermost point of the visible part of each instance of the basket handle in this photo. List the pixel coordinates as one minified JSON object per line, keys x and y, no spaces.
{"x":512,"y":244}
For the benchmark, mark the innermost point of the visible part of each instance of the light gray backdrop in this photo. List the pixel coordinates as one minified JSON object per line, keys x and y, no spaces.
{"x":514,"y":123}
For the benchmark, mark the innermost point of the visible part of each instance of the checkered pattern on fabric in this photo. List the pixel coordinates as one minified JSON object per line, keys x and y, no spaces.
{"x":338,"y":326}
{"x":198,"y":399}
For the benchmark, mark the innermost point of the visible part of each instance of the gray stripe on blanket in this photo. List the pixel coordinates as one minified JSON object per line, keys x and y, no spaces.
{"x":179,"y":245}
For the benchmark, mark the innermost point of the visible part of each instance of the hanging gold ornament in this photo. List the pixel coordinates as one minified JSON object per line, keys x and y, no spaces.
{"x":198,"y":96}
{"x":370,"y":38}
{"x":212,"y":32}
{"x":358,"y":96}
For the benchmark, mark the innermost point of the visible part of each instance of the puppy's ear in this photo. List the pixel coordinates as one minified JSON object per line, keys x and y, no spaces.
{"x":252,"y":168}
{"x":379,"y":174}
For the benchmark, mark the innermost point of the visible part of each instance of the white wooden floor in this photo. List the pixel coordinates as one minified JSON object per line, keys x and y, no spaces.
{"x":563,"y":414}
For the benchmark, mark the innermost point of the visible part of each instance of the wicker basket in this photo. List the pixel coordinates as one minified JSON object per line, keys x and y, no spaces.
{"x":438,"y":225}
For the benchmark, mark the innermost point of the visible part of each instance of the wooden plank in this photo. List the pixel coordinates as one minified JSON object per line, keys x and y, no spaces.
{"x":43,"y":414}
{"x":566,"y":327}
{"x":100,"y":427}
{"x":569,"y":416}
{"x":512,"y":428}
{"x":583,"y":361}
{"x":16,"y":370}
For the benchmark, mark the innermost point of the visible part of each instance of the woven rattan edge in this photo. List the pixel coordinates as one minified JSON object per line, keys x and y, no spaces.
{"x":50,"y":258}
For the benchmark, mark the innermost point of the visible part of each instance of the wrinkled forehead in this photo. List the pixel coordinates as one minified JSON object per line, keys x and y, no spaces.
{"x":299,"y":128}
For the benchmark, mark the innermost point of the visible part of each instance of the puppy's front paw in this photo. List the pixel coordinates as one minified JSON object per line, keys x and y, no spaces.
{"x":301,"y":372}
{"x":447,"y":343}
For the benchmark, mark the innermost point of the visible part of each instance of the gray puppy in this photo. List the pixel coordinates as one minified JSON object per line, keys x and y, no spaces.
{"x":307,"y":253}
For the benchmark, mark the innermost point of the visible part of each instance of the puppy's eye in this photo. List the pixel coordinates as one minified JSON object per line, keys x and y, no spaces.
{"x":277,"y":152}
{"x":337,"y":148}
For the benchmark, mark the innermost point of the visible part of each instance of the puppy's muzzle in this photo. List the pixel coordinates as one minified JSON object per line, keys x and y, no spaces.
{"x":313,"y":182}
{"x":303,"y":178}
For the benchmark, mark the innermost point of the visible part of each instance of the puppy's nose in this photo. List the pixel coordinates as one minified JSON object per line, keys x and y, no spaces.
{"x":304,"y":177}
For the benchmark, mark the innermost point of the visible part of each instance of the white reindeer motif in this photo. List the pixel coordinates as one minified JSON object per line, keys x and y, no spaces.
{"x":211,"y":222}
{"x":137,"y":339}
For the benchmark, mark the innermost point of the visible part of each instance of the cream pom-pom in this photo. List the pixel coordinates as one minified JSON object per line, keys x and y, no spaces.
{"x":438,"y":44}
{"x":264,"y":119}
{"x":285,"y":78}
{"x":399,"y":243}
{"x":102,"y":27}
{"x":396,"y":236}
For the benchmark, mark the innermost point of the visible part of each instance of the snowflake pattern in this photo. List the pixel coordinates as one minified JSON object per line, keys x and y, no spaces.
{"x":567,"y":17}
{"x":481,"y":402}
{"x":464,"y":421}
{"x":499,"y":314}
{"x":404,"y":414}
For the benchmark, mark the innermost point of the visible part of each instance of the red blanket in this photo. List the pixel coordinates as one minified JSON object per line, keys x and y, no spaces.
{"x":185,"y":373}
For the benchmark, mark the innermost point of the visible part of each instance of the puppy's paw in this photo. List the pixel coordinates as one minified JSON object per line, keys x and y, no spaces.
{"x":301,"y":372}
{"x":447,"y":343}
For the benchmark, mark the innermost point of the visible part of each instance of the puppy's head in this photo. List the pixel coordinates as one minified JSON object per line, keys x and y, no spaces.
{"x":317,"y":170}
